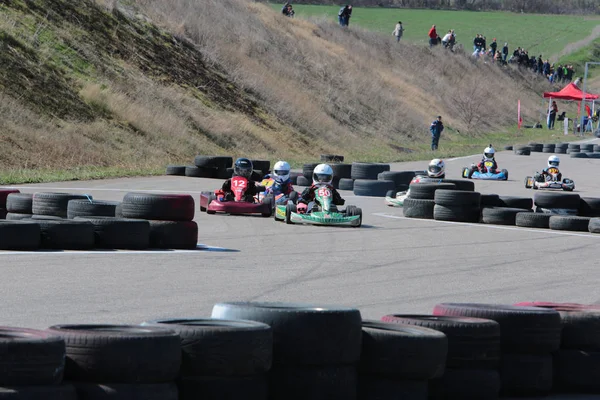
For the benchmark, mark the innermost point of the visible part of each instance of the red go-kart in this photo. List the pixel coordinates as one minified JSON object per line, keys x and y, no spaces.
{"x":239,"y":204}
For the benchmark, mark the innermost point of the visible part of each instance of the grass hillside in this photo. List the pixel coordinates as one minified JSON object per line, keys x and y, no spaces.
{"x":93,"y":90}
{"x":539,"y":34}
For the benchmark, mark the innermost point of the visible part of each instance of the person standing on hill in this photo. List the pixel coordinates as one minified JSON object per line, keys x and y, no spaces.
{"x":552,"y":115}
{"x":494,"y":46}
{"x":432,"y":36}
{"x":505,"y":52}
{"x":398,"y":30}
{"x":344,"y":15}
{"x":436,"y":129}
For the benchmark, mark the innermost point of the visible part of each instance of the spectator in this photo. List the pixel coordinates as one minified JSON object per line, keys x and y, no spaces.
{"x":344,"y":15}
{"x":552,"y":115}
{"x":494,"y":46}
{"x":436,"y":129}
{"x":287,"y":10}
{"x":476,"y":43}
{"x":540,"y":65}
{"x":505,"y":52}
{"x":432,"y":36}
{"x":498,"y":57}
{"x":483,"y":42}
{"x":398,"y":30}
{"x":446,"y":39}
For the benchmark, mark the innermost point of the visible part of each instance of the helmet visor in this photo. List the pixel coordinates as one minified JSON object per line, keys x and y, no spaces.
{"x":553,"y":163}
{"x":322,"y":177}
{"x":242,"y":171}
{"x":435,"y":169}
{"x":488,"y":155}
{"x":281,"y":172}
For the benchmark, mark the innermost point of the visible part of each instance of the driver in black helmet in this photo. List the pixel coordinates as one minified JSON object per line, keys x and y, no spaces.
{"x":242,"y":167}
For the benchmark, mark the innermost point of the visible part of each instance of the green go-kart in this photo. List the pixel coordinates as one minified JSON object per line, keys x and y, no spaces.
{"x":320,"y":212}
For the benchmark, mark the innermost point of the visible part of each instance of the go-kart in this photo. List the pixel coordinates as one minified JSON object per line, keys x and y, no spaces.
{"x":322,"y":211}
{"x":550,"y":182}
{"x":280,"y":200}
{"x":473,"y":172}
{"x":240,"y":203}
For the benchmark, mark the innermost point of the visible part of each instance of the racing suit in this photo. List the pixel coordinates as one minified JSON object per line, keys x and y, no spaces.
{"x":249,"y":194}
{"x":483,"y":169}
{"x":286,"y":188}
{"x":308,"y":195}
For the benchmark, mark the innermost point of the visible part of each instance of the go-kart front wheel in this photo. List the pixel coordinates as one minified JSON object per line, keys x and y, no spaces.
{"x":289,"y":209}
{"x":211,"y":197}
{"x":270,"y":201}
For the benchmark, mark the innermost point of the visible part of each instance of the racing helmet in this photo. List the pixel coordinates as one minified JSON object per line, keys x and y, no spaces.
{"x":322,"y":173}
{"x":436,"y":168}
{"x":489,"y":153}
{"x":243,"y":167}
{"x":553,"y":161}
{"x":281,"y":172}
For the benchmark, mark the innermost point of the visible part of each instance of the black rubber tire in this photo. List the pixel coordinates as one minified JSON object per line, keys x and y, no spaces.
{"x":304,"y":334}
{"x":54,"y":204}
{"x":17,"y":217}
{"x":589,"y":207}
{"x":581,"y":331}
{"x":550,"y":146}
{"x":181,"y":235}
{"x":307,"y":170}
{"x":257,"y":175}
{"x":217,"y":347}
{"x":548,"y":149}
{"x":178,"y":170}
{"x":569,"y":223}
{"x":556,"y":200}
{"x":30,"y":357}
{"x":120,"y":353}
{"x":456,"y":213}
{"x":346,"y":184}
{"x":120,"y":233}
{"x":219,"y":162}
{"x":593,"y":155}
{"x":54,"y":392}
{"x":490,"y":200}
{"x":596,"y":148}
{"x":302,"y":181}
{"x":121,"y":391}
{"x":262,"y":165}
{"x":253,"y":387}
{"x":587,"y":147}
{"x":368,"y":170}
{"x":47,"y":218}
{"x":466,"y":384}
{"x":331,"y":158}
{"x":66,"y":234}
{"x":526,"y":374}
{"x":372,"y":188}
{"x":224,"y":174}
{"x":402,"y":351}
{"x":19,"y":203}
{"x":578,"y":155}
{"x":341,"y":170}
{"x":562,"y":145}
{"x":294,"y":177}
{"x":526,"y":203}
{"x":473,"y":343}
{"x":560,"y":150}
{"x":418,"y":208}
{"x":19,"y":235}
{"x":533,"y":220}
{"x":500,"y":215}
{"x":573,"y":151}
{"x":522,"y":152}
{"x":509,"y":147}
{"x":378,"y":388}
{"x":524,"y":329}
{"x":162,"y":207}
{"x":461,"y":184}
{"x":400,"y":178}
{"x":332,"y":382}
{"x":575,"y":146}
{"x":453,"y":198}
{"x":594,"y":225}
{"x":200,"y":172}
{"x":577,"y":370}
{"x":391,"y":193}
{"x":352,"y":211}
{"x":4,"y":193}
{"x":536,"y":147}
{"x":94,"y":208}
{"x":426,"y":191}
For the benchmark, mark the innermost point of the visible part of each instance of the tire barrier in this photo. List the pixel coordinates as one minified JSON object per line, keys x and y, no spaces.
{"x":569,"y":223}
{"x":367,"y":170}
{"x":536,"y":147}
{"x":346,"y":184}
{"x":401,"y":179}
{"x":418,"y":208}
{"x":376,"y":188}
{"x":533,"y":220}
{"x":456,"y":205}
{"x":522,"y":150}
{"x":54,"y":204}
{"x":501,"y":215}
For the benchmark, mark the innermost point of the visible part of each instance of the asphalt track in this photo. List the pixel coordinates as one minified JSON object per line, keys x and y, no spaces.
{"x":389,"y":265}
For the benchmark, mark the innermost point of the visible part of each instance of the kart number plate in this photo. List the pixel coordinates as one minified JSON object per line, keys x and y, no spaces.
{"x":553,"y":171}
{"x":324,"y":192}
{"x":489,"y":164}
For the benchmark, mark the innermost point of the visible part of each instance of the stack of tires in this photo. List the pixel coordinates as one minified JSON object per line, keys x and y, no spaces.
{"x":457,"y":205}
{"x":261,"y":168}
{"x":208,"y":167}
{"x":536,"y":147}
{"x":549,"y":148}
{"x":420,"y":203}
{"x":398,"y":360}
{"x":589,"y":207}
{"x":578,"y":360}
{"x":4,"y":193}
{"x":19,"y":206}
{"x":573,"y":148}
{"x":401,"y":179}
{"x":561,"y":148}
{"x":503,"y":210}
{"x":529,"y":336}
{"x":316,"y":349}
{"x":366,"y":182}
{"x":473,"y":361}
{"x":170,"y":218}
{"x":307,"y":172}
{"x":222,"y":359}
{"x":120,"y":361}
{"x":341,"y":172}
{"x":522,"y":150}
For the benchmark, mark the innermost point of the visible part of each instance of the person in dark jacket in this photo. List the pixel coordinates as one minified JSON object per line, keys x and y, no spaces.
{"x":243,"y":168}
{"x":436,"y":129}
{"x":344,"y":15}
{"x":505,"y":52}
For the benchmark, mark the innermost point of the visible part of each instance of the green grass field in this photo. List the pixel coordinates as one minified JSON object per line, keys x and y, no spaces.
{"x":539,"y":34}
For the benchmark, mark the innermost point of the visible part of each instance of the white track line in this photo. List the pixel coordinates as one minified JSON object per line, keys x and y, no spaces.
{"x":200,"y":248}
{"x":502,"y":227}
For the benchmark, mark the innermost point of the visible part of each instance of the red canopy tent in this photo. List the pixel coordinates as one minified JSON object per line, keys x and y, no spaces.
{"x":572,"y":93}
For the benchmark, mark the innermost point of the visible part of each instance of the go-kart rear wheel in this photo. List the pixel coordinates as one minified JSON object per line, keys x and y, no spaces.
{"x":352,"y":211}
{"x":293,"y":197}
{"x":505,"y":174}
{"x":289,"y":209}
{"x":207,"y":194}
{"x":270,"y":201}
{"x":211,"y":197}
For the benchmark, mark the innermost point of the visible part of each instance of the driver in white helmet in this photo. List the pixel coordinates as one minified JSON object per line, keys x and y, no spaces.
{"x":436,"y":170}
{"x":546,"y":174}
{"x":322,"y":175}
{"x":488,"y":157}
{"x":282,"y":184}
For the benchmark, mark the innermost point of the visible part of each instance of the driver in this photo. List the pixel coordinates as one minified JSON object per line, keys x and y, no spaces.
{"x":488,"y":157}
{"x":553,"y":163}
{"x":281,"y":177}
{"x":322,"y":175}
{"x":243,"y":168}
{"x":436,"y":170}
